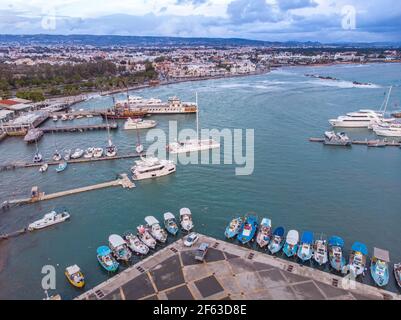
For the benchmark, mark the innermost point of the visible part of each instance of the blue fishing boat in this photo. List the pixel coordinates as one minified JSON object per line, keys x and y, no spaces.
{"x":277,"y":240}
{"x":357,"y":259}
{"x":305,"y":249}
{"x":336,"y":256}
{"x":264,"y":233}
{"x":291,"y":243}
{"x":106,"y":260}
{"x":234,"y":227}
{"x":62,"y":166}
{"x":170,"y":223}
{"x":379,"y":267}
{"x":248,"y":229}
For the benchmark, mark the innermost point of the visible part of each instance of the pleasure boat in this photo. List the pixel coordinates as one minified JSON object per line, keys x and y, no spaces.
{"x":78,"y":153}
{"x":379,"y":267}
{"x":57,"y":156}
{"x":89,"y":153}
{"x":67,"y":154}
{"x":139,"y":123}
{"x":397,"y":273}
{"x":388,"y":132}
{"x":234,"y":227}
{"x":320,"y":252}
{"x":75,"y":276}
{"x":136,"y":245}
{"x":55,"y":118}
{"x":97,"y":152}
{"x":151,"y":167}
{"x":248,"y":229}
{"x":156,"y":231}
{"x":106,"y":259}
{"x":37,"y":157}
{"x":64,"y":117}
{"x":71,"y":117}
{"x":48,"y":220}
{"x":61,"y":166}
{"x":145,"y":237}
{"x":111,"y":151}
{"x":291,"y":243}
{"x":170,"y":223}
{"x":44,"y":168}
{"x":337,"y":139}
{"x":357,"y":259}
{"x":119,"y":248}
{"x":359,"y":119}
{"x":264,"y":233}
{"x":186,"y":219}
{"x":305,"y":249}
{"x":336,"y":256}
{"x":277,"y":241}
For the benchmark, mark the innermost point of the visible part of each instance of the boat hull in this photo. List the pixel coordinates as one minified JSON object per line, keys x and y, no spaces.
{"x":80,"y":284}
{"x":381,"y":280}
{"x":290,"y":251}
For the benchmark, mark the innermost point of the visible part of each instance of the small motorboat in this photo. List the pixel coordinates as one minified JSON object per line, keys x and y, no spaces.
{"x":277,"y":241}
{"x":145,"y":237}
{"x":78,"y":153}
{"x":111,"y":151}
{"x":379,"y":267}
{"x":337,"y":139}
{"x":156,"y":231}
{"x":135,"y":124}
{"x":98,"y":152}
{"x":336,"y":256}
{"x":170,"y":223}
{"x":44,"y":168}
{"x":248,"y":229}
{"x":320,"y":252}
{"x":75,"y":276}
{"x":48,"y":220}
{"x":119,"y":248}
{"x":67,"y":154}
{"x":62,"y":166}
{"x":55,"y":118}
{"x":57,"y":156}
{"x":357,"y":259}
{"x":71,"y":117}
{"x":186,"y":219}
{"x":37,"y":157}
{"x":291,"y":243}
{"x":305,"y":249}
{"x":397,"y":273}
{"x":106,"y":260}
{"x":64,"y":117}
{"x":234,"y":227}
{"x":89,"y":153}
{"x":264,"y":233}
{"x":136,"y":245}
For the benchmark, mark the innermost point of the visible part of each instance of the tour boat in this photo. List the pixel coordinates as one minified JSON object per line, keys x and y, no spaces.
{"x":156,"y":231}
{"x":336,"y":256}
{"x":57,"y":156}
{"x":75,"y":276}
{"x":291,"y":243}
{"x":397,"y":273}
{"x":48,"y":220}
{"x":320,"y":252}
{"x":234,"y":227}
{"x":357,"y":259}
{"x":119,"y":248}
{"x":106,"y":260}
{"x":264,"y":233}
{"x":78,"y":153}
{"x":44,"y":167}
{"x":97,"y":152}
{"x":277,"y":241}
{"x":186,"y":219}
{"x":37,"y":157}
{"x":136,"y":245}
{"x":61,"y":166}
{"x":379,"y":267}
{"x":67,"y":154}
{"x":170,"y":223}
{"x":89,"y":153}
{"x":248,"y":229}
{"x":305,"y":249}
{"x":151,"y":167}
{"x":145,"y":237}
{"x":139,"y":123}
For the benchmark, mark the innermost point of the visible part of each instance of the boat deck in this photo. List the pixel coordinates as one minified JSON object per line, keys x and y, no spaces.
{"x":229,"y":272}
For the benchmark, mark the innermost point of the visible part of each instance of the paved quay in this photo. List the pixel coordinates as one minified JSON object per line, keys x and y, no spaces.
{"x":229,"y":272}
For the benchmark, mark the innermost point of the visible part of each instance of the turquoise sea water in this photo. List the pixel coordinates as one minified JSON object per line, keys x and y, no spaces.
{"x":353,"y":193}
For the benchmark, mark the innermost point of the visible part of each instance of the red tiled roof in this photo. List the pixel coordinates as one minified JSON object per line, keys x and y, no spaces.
{"x":8,"y":102}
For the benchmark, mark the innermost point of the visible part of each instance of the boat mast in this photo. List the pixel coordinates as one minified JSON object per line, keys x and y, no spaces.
{"x":388,"y":98}
{"x":108,"y":132}
{"x":197,"y":116}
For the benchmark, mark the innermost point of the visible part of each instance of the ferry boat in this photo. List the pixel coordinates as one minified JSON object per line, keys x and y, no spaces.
{"x":320,"y":251}
{"x":174,"y":106}
{"x":136,"y":245}
{"x":106,"y":260}
{"x":277,"y":240}
{"x":291,"y":243}
{"x":336,"y":256}
{"x":264,"y":234}
{"x":146,"y":237}
{"x":48,"y":220}
{"x":186,"y":219}
{"x":151,"y":167}
{"x":119,"y":248}
{"x":305,"y":249}
{"x":155,"y":230}
{"x":248,"y":229}
{"x":139,"y":123}
{"x":357,"y":259}
{"x":33,"y":135}
{"x":234,"y":227}
{"x":75,"y":276}
{"x":379,"y":267}
{"x":170,"y":223}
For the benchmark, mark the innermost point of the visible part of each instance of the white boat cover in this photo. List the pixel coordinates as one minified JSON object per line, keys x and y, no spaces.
{"x":266,"y":222}
{"x":184,"y":211}
{"x":292,"y":237}
{"x":151,"y":220}
{"x":381,"y":254}
{"x":168,"y":216}
{"x":115,"y":240}
{"x":72,"y":269}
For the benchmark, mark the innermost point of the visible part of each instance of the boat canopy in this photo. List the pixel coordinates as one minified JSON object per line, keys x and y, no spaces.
{"x":307,"y":237}
{"x":279,"y":231}
{"x":103,"y":250}
{"x":336,"y":241}
{"x":168,"y":216}
{"x":115,"y":240}
{"x":266,"y":222}
{"x":73,"y":269}
{"x":292,"y":237}
{"x":358,"y":246}
{"x":184,"y":211}
{"x":381,"y":254}
{"x":151,"y":220}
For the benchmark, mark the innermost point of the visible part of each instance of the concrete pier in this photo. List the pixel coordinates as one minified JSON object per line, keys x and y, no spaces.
{"x":80,"y":128}
{"x":229,"y":272}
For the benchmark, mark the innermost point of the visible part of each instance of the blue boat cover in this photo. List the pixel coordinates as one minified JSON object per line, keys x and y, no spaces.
{"x":358,"y":246}
{"x":336,"y":241}
{"x":103,"y":250}
{"x":279,"y":231}
{"x":307,"y":237}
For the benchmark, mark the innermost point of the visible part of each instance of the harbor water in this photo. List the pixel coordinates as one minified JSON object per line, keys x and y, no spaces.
{"x":350,"y":192}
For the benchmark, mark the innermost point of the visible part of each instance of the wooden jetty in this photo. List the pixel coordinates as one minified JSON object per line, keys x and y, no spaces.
{"x":80,"y":128}
{"x":392,"y":143}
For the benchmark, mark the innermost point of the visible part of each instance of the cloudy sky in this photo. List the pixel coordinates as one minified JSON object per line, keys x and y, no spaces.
{"x":274,"y":20}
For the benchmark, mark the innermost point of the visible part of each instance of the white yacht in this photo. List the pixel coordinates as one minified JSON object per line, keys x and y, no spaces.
{"x":155,"y":230}
{"x":359,"y":119}
{"x":134,"y":124}
{"x":49,"y":219}
{"x":388,"y":132}
{"x":152,"y":167}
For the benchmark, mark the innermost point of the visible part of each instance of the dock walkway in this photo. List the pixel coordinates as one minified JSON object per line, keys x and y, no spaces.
{"x":391,"y":143}
{"x":79,"y":128}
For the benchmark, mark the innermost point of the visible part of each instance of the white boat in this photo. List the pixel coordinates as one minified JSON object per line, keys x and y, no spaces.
{"x":320,"y":252}
{"x":55,"y":118}
{"x":37,"y":157}
{"x":44,"y":168}
{"x":57,"y":156}
{"x":152,"y":167}
{"x":388,"y":132}
{"x":89,"y":153}
{"x":78,"y":153}
{"x":67,"y":154}
{"x":119,"y":248}
{"x":64,"y":117}
{"x":71,"y":117}
{"x":98,"y":152}
{"x":111,"y":149}
{"x":48,"y":220}
{"x":337,"y":139}
{"x":146,"y":237}
{"x":136,"y":245}
{"x":156,"y":231}
{"x":89,"y":116}
{"x":186,"y":219}
{"x":359,"y":119}
{"x":135,"y":124}
{"x":264,"y":233}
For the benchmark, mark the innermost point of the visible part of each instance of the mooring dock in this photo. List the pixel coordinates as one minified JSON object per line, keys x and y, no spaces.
{"x":391,"y":143}
{"x":230,"y":272}
{"x":80,"y":128}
